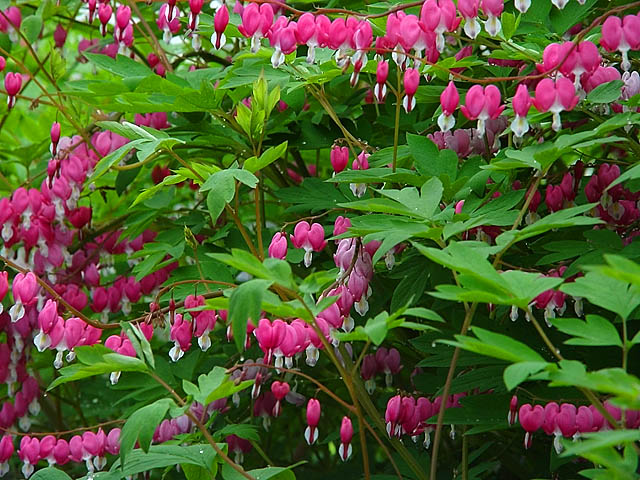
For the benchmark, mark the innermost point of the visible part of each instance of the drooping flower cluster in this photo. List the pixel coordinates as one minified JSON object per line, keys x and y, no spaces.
{"x":570,"y":421}
{"x":406,"y":415}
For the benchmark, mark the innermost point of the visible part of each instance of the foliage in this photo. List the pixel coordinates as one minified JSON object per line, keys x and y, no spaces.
{"x":280,"y":252}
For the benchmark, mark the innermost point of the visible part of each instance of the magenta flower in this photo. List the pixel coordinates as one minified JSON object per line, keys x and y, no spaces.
{"x":411,"y":82}
{"x":621,"y":35}
{"x":279,"y":390}
{"x":104,"y":15}
{"x":29,"y":453}
{"x":220,"y":22}
{"x":469,"y":11}
{"x":310,"y":238}
{"x":195,"y":7}
{"x":181,"y":333}
{"x":380,"y":89}
{"x":449,"y":101}
{"x":25,"y":288}
{"x":278,"y":246}
{"x":531,"y":419}
{"x":256,"y":23}
{"x":555,"y":97}
{"x":339,"y":158}
{"x":313,"y":418}
{"x":493,"y":9}
{"x":6,"y":452}
{"x":521,"y":104}
{"x":13,"y":85}
{"x":346,"y":434}
{"x":439,"y":16}
{"x":482,"y":104}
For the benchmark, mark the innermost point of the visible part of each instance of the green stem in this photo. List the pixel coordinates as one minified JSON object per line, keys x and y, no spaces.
{"x":396,"y":129}
{"x":202,"y":428}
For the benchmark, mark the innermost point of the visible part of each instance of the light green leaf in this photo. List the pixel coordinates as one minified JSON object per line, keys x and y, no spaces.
{"x":50,"y":473}
{"x":517,"y":373}
{"x":31,"y":27}
{"x":376,"y":328}
{"x":606,"y":292}
{"x":595,"y":331}
{"x":498,"y":346}
{"x":269,"y":156}
{"x":606,"y":92}
{"x":246,"y":303}
{"x":141,"y":425}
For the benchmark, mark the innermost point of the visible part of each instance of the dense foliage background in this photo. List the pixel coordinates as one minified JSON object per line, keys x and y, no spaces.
{"x":271,"y":240}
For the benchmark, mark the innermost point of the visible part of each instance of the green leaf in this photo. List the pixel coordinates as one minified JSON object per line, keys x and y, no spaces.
{"x":57,"y":63}
{"x":50,"y":473}
{"x":242,"y":430}
{"x":269,"y":156}
{"x":568,"y":217}
{"x":596,"y":331}
{"x":141,"y":425}
{"x":465,"y":257}
{"x":624,"y":387}
{"x":268,"y":473}
{"x":606,"y":292}
{"x":135,"y":334}
{"x":214,"y":386}
{"x":595,"y":440}
{"x":606,"y":92}
{"x":517,"y":373}
{"x":194,"y":472}
{"x":122,"y":65}
{"x":498,"y":346}
{"x":110,"y":160}
{"x":246,"y":303}
{"x":215,"y":204}
{"x":105,"y":363}
{"x":376,"y":328}
{"x":431,"y":161}
{"x":31,"y":27}
{"x":160,"y":456}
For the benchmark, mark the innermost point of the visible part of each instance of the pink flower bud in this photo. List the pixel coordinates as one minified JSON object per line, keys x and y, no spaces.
{"x":59,"y":36}
{"x":313,"y":418}
{"x":411,"y":81}
{"x":4,"y":286}
{"x":512,"y":417}
{"x":6,"y":448}
{"x":220,"y":22}
{"x":393,"y":415}
{"x":278,"y":246}
{"x":584,"y":420}
{"x":104,"y":15}
{"x":123,"y":16}
{"x":449,"y":101}
{"x":522,"y":101}
{"x":361,"y":162}
{"x":341,"y":225}
{"x":25,"y":288}
{"x":13,"y":85}
{"x":346,"y":435}
{"x":112,"y":442}
{"x":339,"y":158}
